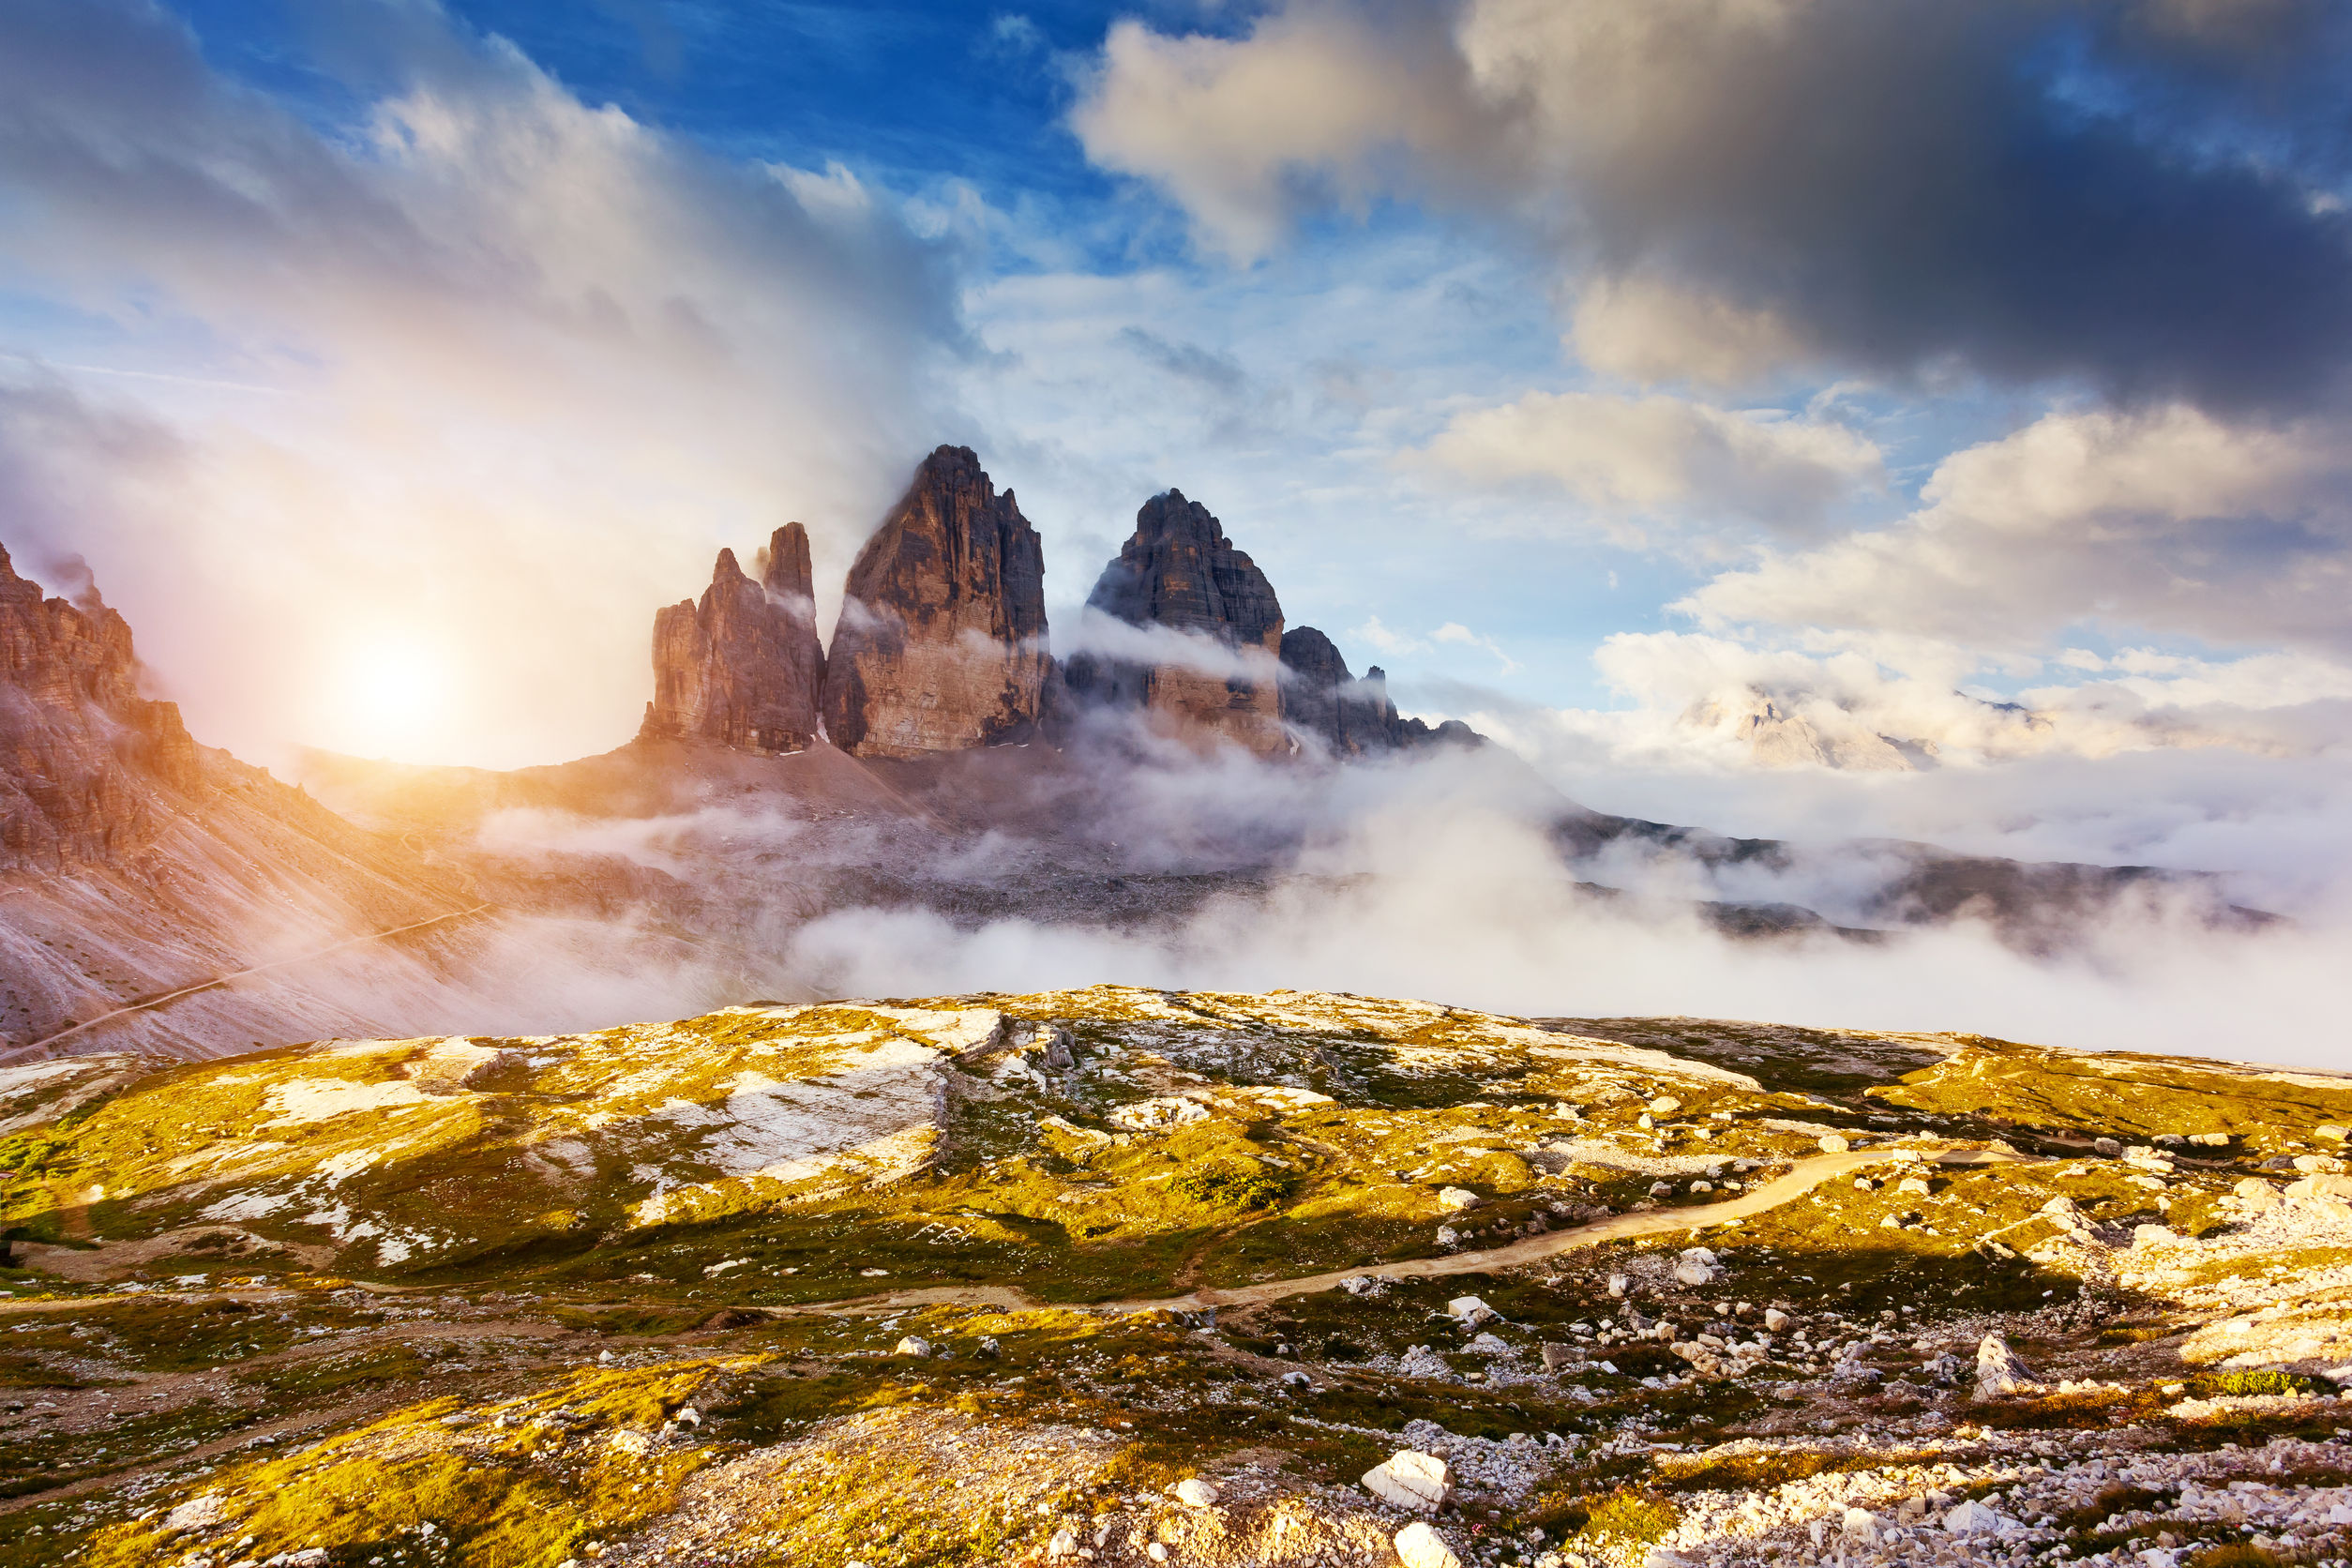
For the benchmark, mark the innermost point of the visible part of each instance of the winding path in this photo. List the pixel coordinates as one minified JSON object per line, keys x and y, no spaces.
{"x":1801,"y":1179}
{"x":220,"y":982}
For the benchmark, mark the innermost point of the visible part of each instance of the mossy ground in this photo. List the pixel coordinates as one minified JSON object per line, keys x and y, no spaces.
{"x":515,"y":1176}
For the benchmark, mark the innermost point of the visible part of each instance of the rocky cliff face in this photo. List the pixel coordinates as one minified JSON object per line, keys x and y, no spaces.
{"x":1343,"y":715}
{"x":1179,"y":573}
{"x":137,"y":863}
{"x":942,"y":640}
{"x":80,"y":748}
{"x":743,"y":667}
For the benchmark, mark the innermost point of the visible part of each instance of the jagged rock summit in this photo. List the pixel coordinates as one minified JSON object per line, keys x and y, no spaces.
{"x":1344,"y":715}
{"x":77,"y":740}
{"x":744,"y":668}
{"x":942,"y":641}
{"x":1178,"y":572}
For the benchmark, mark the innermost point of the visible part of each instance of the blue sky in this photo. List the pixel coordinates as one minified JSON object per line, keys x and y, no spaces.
{"x":389,"y":363}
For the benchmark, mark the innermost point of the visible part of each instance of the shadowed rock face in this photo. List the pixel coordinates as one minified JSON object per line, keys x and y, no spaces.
{"x":1178,"y":572}
{"x":744,"y":668}
{"x":78,"y":743}
{"x":1346,"y":717}
{"x":942,"y":640}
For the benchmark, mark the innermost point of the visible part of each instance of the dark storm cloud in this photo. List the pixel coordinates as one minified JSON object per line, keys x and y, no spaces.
{"x":2141,"y":197}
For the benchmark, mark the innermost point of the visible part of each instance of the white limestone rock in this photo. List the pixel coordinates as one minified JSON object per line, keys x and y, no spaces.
{"x":1411,"y":1479}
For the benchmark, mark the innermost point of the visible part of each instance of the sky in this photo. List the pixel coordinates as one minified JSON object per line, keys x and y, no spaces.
{"x":1968,"y":377}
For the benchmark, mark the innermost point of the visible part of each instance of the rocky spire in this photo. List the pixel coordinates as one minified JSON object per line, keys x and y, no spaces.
{"x":80,"y":748}
{"x":1178,"y":572}
{"x":942,"y":640}
{"x":743,"y":668}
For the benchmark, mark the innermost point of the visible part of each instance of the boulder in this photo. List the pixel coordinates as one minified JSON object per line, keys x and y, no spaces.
{"x":1455,"y":1199}
{"x":2254,"y":1193}
{"x":1419,"y":1546}
{"x":1556,"y":1356}
{"x":1835,"y":1143}
{"x":1998,"y":1368}
{"x":913,"y":1345}
{"x":1970,"y":1518}
{"x":743,"y":667}
{"x":940,"y":645}
{"x":1193,"y":1492}
{"x":2320,"y":1186}
{"x":1471,"y":1311}
{"x":1411,"y":1480}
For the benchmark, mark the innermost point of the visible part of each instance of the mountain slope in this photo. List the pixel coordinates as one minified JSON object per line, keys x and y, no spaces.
{"x":134,"y":862}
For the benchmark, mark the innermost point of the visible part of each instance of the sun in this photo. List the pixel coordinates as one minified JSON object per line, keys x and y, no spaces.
{"x":392,"y":692}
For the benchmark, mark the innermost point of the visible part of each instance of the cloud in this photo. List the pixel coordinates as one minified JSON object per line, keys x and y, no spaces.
{"x":1663,"y":457}
{"x":2164,"y":520}
{"x":1243,"y":130}
{"x":557,"y":354}
{"x":1697,"y":698}
{"x":1454,"y":631}
{"x":2137,"y":197}
{"x":1096,"y":635}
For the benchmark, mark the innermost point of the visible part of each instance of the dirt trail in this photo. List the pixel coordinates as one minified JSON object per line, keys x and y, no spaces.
{"x":165,"y":999}
{"x":1802,"y":1179}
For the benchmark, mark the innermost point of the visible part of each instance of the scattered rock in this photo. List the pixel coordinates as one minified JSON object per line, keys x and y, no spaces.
{"x":1696,"y":1267}
{"x":1558,"y":1356}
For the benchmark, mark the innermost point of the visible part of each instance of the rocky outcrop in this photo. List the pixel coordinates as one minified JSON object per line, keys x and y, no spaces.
{"x":1210,"y":659}
{"x":942,"y":641}
{"x":1344,"y":716}
{"x":80,"y":749}
{"x":743,"y":667}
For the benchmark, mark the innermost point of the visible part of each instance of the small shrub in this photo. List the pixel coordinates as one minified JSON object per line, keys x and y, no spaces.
{"x":1224,"y":1187}
{"x":2243,"y":1384}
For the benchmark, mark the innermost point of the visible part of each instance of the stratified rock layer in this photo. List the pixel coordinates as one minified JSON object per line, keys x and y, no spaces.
{"x":743,"y":668}
{"x":1178,"y":572}
{"x":77,"y":740}
{"x":942,"y":640}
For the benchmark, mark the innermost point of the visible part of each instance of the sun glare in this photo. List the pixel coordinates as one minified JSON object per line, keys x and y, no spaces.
{"x":391,"y":696}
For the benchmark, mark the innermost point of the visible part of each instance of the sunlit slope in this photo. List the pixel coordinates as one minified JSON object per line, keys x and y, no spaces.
{"x":1080,"y":1145}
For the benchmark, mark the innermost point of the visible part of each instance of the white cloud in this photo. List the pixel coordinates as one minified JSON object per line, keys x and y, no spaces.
{"x":555,"y":355}
{"x":1646,"y":329}
{"x":1238,"y":129}
{"x":1660,"y":457}
{"x":1454,"y":631}
{"x":2165,"y":521}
